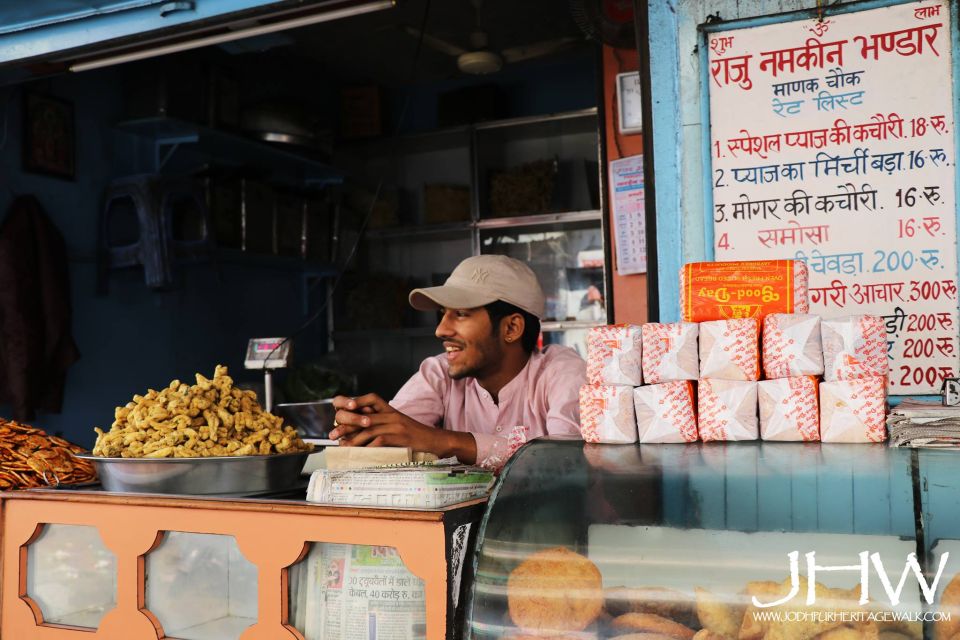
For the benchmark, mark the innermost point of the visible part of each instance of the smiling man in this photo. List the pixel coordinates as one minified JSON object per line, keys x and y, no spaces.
{"x":492,"y":389}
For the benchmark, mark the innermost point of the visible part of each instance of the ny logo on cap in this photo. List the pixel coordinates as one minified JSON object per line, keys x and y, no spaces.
{"x":479,"y":275}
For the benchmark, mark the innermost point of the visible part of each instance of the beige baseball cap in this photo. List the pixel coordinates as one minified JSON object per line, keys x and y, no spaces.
{"x":480,"y":280}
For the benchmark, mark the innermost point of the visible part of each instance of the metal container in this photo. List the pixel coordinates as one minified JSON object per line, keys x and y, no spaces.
{"x":311,"y":419}
{"x":224,"y":475}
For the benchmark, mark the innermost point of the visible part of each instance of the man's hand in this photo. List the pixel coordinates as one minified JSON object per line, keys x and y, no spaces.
{"x":368,"y":421}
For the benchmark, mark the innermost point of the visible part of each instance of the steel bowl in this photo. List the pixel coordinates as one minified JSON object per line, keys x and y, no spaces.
{"x":223,"y":475}
{"x":311,"y":419}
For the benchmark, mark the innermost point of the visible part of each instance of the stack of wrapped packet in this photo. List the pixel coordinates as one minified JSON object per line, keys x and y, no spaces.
{"x":853,"y":394}
{"x":614,"y":368}
{"x":792,"y":360}
{"x":729,"y":371}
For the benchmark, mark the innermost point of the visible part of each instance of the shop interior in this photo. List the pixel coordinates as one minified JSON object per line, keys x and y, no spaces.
{"x":353,"y":156}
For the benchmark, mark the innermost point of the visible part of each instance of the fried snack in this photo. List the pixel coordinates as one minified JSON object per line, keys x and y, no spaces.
{"x":912,"y":630}
{"x":751,"y":628}
{"x":31,"y":458}
{"x":528,"y":637}
{"x":706,"y":634}
{"x":668,"y":603}
{"x":949,"y":627}
{"x":554,"y":589}
{"x":722,"y":619}
{"x":643,"y":636}
{"x":210,"y":418}
{"x":827,"y":600}
{"x":862,"y":631}
{"x":652,"y":623}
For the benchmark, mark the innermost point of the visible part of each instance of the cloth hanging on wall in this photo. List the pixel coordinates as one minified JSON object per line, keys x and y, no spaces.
{"x":36,"y":345}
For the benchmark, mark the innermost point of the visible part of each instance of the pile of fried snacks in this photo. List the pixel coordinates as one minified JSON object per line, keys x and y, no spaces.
{"x":210,"y":418}
{"x":31,"y":458}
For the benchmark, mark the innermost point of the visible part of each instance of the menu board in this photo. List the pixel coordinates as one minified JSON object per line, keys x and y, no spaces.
{"x":832,"y":142}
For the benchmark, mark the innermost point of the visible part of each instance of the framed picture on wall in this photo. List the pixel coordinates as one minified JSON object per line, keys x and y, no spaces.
{"x":49,"y":142}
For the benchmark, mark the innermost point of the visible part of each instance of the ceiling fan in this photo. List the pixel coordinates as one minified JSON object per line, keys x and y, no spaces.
{"x":479,"y":59}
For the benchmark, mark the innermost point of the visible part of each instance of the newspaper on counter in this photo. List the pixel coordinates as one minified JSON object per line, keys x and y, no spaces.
{"x":358,"y":592}
{"x":730,"y":349}
{"x":727,"y":410}
{"x":854,"y":347}
{"x":607,"y":413}
{"x":853,"y":410}
{"x":665,"y":412}
{"x":670,"y":351}
{"x":416,"y":486}
{"x":613,"y":355}
{"x":791,"y":345}
{"x":789,"y":409}
{"x":913,"y":423}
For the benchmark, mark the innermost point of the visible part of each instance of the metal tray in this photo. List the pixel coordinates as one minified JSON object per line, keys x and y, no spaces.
{"x":225,"y":475}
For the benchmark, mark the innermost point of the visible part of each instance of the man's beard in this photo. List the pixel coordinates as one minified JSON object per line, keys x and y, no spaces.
{"x":487,"y":355}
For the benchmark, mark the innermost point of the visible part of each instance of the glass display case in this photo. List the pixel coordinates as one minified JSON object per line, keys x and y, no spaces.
{"x":742,"y":541}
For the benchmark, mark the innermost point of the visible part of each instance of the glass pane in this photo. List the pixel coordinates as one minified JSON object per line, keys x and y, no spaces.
{"x":687,"y":534}
{"x":200,"y":587}
{"x":356,"y":592}
{"x":71,"y":576}
{"x":568,"y":261}
{"x":538,"y":167}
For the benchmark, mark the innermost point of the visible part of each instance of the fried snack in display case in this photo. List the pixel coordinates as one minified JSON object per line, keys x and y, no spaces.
{"x":720,"y":541}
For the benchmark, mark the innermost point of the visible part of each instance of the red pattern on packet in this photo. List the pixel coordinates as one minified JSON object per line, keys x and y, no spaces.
{"x":711,"y":412}
{"x":776,"y":361}
{"x":679,"y":400}
{"x":593,"y":403}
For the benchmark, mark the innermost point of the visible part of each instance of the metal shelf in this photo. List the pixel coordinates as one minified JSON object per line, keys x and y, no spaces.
{"x":541,"y":219}
{"x":452,"y":228}
{"x":553,"y":117}
{"x":232,"y":149}
{"x":457,"y":228}
{"x":565,"y":325}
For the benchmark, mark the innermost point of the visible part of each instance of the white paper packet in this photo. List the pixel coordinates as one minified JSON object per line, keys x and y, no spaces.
{"x":789,"y":409}
{"x":727,"y":410}
{"x":730,"y":349}
{"x":670,"y":351}
{"x":607,"y":413}
{"x":791,"y":345}
{"x":854,"y":410}
{"x":854,"y":347}
{"x":665,"y":412}
{"x":613,"y":355}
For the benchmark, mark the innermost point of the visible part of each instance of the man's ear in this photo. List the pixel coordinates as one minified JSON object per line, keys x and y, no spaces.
{"x":512,"y":327}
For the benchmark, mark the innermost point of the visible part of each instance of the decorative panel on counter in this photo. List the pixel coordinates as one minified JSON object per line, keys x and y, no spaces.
{"x":91,"y":564}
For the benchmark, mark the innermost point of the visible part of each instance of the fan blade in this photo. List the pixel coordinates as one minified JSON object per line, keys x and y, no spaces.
{"x":537,"y":49}
{"x":434,"y":43}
